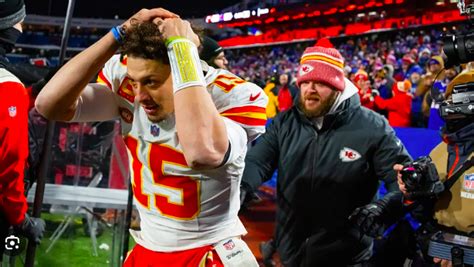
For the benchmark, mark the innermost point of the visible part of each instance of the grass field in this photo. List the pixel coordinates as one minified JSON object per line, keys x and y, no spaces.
{"x":74,"y":248}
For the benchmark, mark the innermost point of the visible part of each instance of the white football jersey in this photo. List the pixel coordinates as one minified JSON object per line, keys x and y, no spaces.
{"x":181,"y":208}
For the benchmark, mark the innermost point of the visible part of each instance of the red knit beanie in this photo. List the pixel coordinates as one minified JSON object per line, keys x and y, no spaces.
{"x":361,"y":75}
{"x":322,"y":63}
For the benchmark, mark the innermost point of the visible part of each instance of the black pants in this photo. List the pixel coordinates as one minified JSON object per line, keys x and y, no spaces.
{"x":4,"y":227}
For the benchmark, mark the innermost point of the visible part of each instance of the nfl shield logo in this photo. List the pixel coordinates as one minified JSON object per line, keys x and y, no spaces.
{"x":154,"y":130}
{"x":12,"y":111}
{"x":229,"y":245}
{"x":468,"y":184}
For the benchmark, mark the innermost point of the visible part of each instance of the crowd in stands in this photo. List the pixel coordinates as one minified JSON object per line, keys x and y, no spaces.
{"x":394,"y":72}
{"x":375,"y":62}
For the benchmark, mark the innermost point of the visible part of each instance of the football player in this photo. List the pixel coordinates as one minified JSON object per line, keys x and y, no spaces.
{"x":186,"y":126}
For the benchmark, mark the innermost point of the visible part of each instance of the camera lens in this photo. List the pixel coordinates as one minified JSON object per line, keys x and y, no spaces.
{"x":450,"y":50}
{"x":459,"y":49}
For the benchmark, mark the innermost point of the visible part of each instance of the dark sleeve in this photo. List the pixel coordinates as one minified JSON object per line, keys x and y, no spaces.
{"x":389,"y":151}
{"x":262,"y":159}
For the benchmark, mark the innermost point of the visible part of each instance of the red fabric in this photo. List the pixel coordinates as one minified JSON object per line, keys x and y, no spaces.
{"x":398,"y":107}
{"x":324,"y":42}
{"x":141,"y":256}
{"x":285,"y":101}
{"x":367,"y":100}
{"x":321,"y":64}
{"x":13,"y":150}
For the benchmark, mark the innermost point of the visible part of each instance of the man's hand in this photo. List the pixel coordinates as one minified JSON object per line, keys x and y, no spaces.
{"x":176,"y":27}
{"x":368,"y":219}
{"x":401,"y":184}
{"x":149,"y":15}
{"x":443,"y":263}
{"x":32,"y":228}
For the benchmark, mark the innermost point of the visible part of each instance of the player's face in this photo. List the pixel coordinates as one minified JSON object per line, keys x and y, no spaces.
{"x":221,"y":61}
{"x":152,"y":86}
{"x":316,"y":98}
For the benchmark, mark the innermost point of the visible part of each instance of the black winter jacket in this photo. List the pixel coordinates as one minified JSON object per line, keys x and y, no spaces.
{"x":323,"y":176}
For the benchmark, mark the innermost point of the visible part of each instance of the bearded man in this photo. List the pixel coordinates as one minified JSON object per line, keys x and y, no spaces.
{"x":330,"y":153}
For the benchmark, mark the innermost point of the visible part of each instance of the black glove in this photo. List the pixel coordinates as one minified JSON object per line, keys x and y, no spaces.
{"x":32,"y":228}
{"x":372,"y":218}
{"x":368,"y":219}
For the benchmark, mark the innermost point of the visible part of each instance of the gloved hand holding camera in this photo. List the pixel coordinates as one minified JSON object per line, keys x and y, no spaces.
{"x":32,"y":228}
{"x":419,"y":179}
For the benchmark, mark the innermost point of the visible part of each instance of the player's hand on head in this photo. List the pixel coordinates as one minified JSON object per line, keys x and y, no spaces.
{"x":176,"y":27}
{"x":149,"y":15}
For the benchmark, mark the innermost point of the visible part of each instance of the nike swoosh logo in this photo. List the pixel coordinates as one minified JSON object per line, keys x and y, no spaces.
{"x":253,"y":98}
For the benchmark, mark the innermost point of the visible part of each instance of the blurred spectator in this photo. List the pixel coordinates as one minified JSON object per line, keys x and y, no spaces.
{"x":436,"y":66}
{"x":285,"y":92}
{"x":399,"y":106}
{"x":424,"y":56}
{"x":384,"y":81}
{"x":361,"y":81}
{"x":272,"y":106}
{"x":419,"y":86}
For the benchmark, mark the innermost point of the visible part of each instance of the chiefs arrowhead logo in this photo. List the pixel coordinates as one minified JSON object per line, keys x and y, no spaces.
{"x":305,"y":68}
{"x":348,"y":155}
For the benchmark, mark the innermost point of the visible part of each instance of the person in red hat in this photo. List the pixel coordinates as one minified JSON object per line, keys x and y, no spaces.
{"x":362,"y":82}
{"x":330,"y":153}
{"x":399,"y":106}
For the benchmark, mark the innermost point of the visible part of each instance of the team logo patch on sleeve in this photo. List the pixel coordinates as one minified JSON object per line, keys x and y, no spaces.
{"x":348,"y":155}
{"x":126,"y":90}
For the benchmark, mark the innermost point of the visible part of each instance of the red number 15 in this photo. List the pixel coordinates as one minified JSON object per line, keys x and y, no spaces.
{"x":158,"y":156}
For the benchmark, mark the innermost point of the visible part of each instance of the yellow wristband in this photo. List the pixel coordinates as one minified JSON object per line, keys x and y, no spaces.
{"x":185,"y":64}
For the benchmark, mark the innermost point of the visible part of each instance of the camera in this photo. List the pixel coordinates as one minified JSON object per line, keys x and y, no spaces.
{"x":451,"y":246}
{"x":459,"y":48}
{"x":421,"y":179}
{"x":461,"y":105}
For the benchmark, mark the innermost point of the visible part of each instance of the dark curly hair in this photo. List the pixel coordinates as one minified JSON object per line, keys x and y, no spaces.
{"x":144,"y":40}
